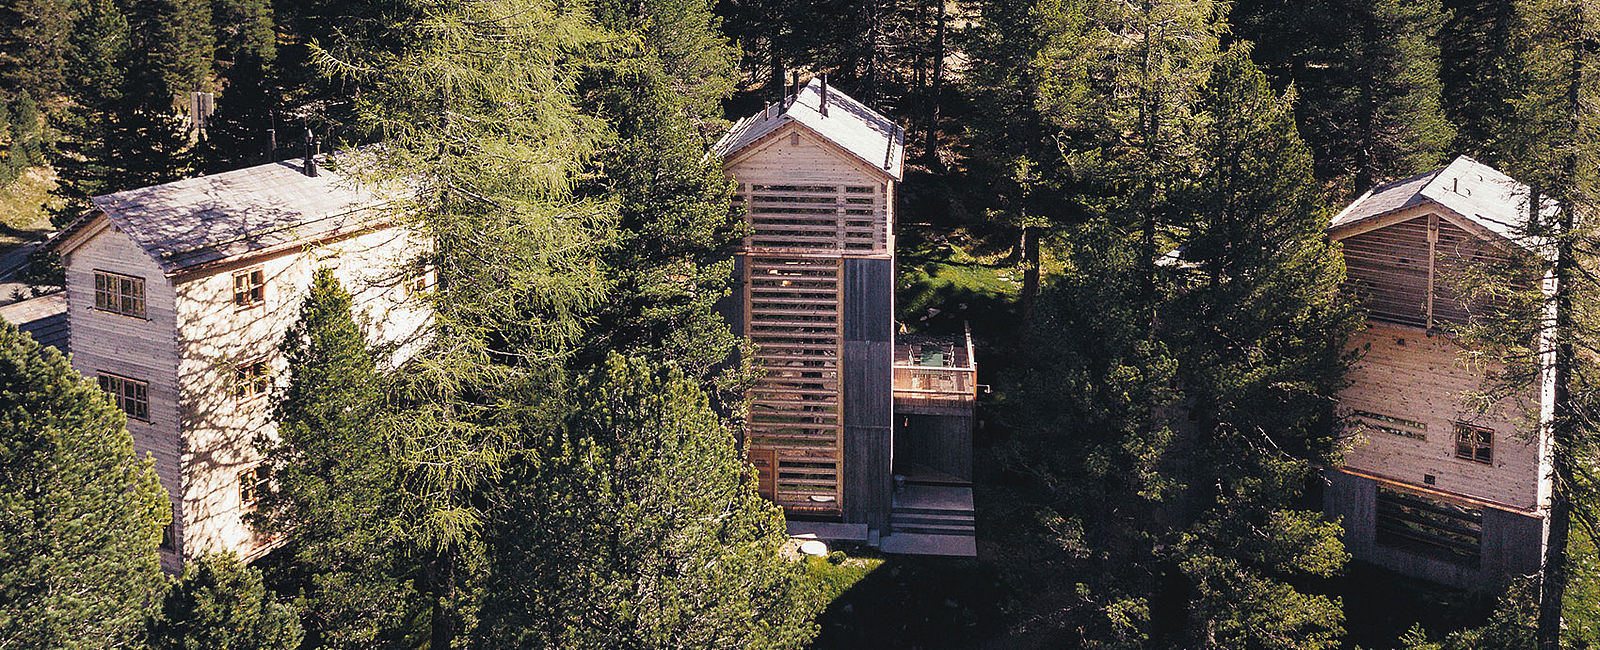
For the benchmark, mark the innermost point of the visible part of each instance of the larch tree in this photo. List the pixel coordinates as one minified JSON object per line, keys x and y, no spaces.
{"x":335,"y":474}
{"x":476,"y":107}
{"x":636,"y":524}
{"x":81,"y":516}
{"x":1554,"y":150}
{"x":220,"y":603}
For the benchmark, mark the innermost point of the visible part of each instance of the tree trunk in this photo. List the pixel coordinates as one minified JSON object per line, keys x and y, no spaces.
{"x":773,"y":39}
{"x":1030,"y":270}
{"x":1565,"y":422}
{"x":930,"y":148}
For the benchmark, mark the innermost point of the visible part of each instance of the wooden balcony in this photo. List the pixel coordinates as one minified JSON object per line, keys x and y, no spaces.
{"x":934,"y":373}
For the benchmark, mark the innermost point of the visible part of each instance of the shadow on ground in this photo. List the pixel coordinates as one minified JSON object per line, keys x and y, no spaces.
{"x":915,"y":602}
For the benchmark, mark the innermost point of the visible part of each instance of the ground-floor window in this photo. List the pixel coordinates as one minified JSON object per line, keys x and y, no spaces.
{"x":1429,"y":526}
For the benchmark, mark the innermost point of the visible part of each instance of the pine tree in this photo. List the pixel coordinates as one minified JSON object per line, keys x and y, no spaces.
{"x":1117,"y":83}
{"x":80,"y":515}
{"x":1260,"y":332}
{"x":33,"y":46}
{"x":96,"y":142}
{"x":1554,"y":150}
{"x":1368,"y":76}
{"x":696,"y":59}
{"x":636,"y":524}
{"x":676,"y":229}
{"x":220,"y":604}
{"x":336,"y":475}
{"x":237,"y":133}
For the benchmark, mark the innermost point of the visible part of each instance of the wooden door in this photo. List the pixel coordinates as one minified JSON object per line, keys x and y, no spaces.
{"x":765,"y":463}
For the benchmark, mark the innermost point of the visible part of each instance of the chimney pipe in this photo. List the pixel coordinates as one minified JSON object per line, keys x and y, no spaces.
{"x":310,"y":167}
{"x":824,"y":102}
{"x":794,"y":93}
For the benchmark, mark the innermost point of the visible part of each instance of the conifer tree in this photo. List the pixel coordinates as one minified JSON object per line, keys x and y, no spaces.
{"x":220,"y":604}
{"x":237,"y":133}
{"x":1554,"y":150}
{"x":34,"y":46}
{"x":1368,"y":76}
{"x":636,"y":524}
{"x":336,"y":475}
{"x":676,"y":230}
{"x":476,"y":105}
{"x":97,"y":142}
{"x":696,"y":60}
{"x":1117,"y":83}
{"x":1260,"y":331}
{"x":80,"y":515}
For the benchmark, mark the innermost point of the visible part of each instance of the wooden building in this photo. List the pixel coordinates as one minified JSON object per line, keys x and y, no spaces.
{"x":178,"y":296}
{"x":816,"y":174}
{"x":1437,"y":486}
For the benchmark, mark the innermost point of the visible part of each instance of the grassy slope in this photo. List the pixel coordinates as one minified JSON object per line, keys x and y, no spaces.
{"x":22,"y":207}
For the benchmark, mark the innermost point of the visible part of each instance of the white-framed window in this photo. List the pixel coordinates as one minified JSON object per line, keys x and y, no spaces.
{"x":119,"y":294}
{"x":249,"y":288}
{"x":131,"y":395}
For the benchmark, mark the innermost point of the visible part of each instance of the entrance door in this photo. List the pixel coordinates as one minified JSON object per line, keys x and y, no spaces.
{"x":766,"y":464}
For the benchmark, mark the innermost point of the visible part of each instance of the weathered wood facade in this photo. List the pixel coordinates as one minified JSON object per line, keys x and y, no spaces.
{"x":816,"y":176}
{"x":224,"y":263}
{"x":1437,"y":484}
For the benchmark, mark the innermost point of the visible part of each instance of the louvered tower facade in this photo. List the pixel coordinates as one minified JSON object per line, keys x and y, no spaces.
{"x":816,"y":175}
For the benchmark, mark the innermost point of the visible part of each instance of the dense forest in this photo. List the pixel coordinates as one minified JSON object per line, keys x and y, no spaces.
{"x":560,"y":467}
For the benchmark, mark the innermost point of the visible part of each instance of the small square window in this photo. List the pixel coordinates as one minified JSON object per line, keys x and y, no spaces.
{"x":249,"y":288}
{"x":252,"y":379}
{"x":253,"y":485}
{"x":119,"y":294}
{"x":1474,"y":443}
{"x":131,"y":395}
{"x":421,"y":282}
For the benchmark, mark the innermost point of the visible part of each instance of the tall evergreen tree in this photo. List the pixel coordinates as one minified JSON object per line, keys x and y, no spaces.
{"x":1118,"y":83}
{"x":676,"y":229}
{"x":98,"y":142}
{"x":1555,"y":150}
{"x":220,"y":604}
{"x":1368,"y":76}
{"x":335,"y":501}
{"x":1260,"y":332}
{"x":34,"y":46}
{"x":237,"y":135}
{"x":636,"y":524}
{"x":80,"y":515}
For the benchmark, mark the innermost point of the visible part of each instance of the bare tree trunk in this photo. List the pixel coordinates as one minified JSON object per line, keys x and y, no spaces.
{"x":930,"y":148}
{"x":1565,"y":420}
{"x":1030,"y":270}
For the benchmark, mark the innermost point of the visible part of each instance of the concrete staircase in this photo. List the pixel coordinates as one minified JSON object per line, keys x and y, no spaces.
{"x":932,"y":520}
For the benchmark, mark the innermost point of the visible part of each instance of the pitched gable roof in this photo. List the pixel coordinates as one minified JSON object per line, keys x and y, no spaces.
{"x":1473,"y":190}
{"x":867,"y":134}
{"x":198,"y":221}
